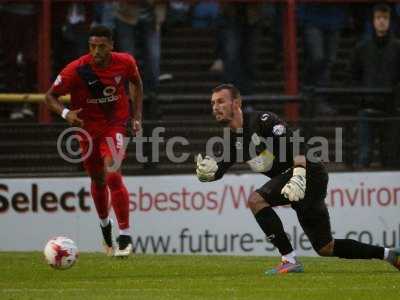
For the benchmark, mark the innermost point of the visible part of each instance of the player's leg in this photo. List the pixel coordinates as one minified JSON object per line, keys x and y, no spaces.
{"x":261,"y":203}
{"x":312,"y":212}
{"x":314,"y":218}
{"x":393,"y":257}
{"x":112,"y":157}
{"x":350,"y":249}
{"x":120,"y":204}
{"x":101,"y":200}
{"x":95,"y":169}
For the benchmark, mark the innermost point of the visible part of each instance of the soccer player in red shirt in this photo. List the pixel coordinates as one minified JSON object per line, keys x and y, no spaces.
{"x":99,"y":84}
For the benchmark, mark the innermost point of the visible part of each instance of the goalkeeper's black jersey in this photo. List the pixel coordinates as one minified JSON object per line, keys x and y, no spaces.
{"x":265,"y":134}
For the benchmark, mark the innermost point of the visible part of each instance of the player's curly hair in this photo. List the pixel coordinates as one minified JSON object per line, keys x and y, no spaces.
{"x":101,"y":30}
{"x":234,"y":91}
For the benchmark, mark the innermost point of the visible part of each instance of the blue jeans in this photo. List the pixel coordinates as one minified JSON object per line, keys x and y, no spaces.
{"x":239,"y":55}
{"x":143,"y":42}
{"x":320,"y":48}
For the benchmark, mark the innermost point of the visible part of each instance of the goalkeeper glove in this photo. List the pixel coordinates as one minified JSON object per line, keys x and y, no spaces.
{"x":206,"y":168}
{"x":295,"y":189}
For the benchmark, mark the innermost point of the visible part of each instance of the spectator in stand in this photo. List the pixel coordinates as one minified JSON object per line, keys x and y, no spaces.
{"x":365,"y":14}
{"x":103,"y":14}
{"x":178,"y":13}
{"x":19,"y":52}
{"x":376,"y":63}
{"x":138,"y":28}
{"x":70,"y":35}
{"x":75,"y":31}
{"x":321,"y":28}
{"x":205,"y":14}
{"x":239,"y":27}
{"x":274,"y":13}
{"x":397,"y":18}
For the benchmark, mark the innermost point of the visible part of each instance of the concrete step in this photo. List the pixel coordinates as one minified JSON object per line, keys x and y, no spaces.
{"x":206,"y":75}
{"x":205,"y":87}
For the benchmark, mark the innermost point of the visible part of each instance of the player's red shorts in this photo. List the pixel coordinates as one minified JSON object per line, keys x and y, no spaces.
{"x":94,"y":159}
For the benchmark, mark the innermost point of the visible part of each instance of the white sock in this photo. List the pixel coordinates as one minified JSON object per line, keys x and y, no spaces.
{"x":290,"y":257}
{"x":104,"y":222}
{"x":386,"y":253}
{"x":124,"y":231}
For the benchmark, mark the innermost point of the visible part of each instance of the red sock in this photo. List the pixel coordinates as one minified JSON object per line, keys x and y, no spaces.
{"x":119,"y":199}
{"x":100,"y":198}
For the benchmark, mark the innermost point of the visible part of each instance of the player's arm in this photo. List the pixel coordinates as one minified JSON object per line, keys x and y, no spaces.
{"x":223,"y":167}
{"x":300,"y":161}
{"x":207,"y":168}
{"x":270,"y":126}
{"x":295,"y":188}
{"x":54,"y":104}
{"x":135,"y":90}
{"x":136,"y":96}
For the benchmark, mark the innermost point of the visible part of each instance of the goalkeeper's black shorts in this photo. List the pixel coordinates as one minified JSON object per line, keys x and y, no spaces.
{"x":311,"y":211}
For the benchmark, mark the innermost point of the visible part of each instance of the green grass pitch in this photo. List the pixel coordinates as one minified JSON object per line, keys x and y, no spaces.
{"x":95,"y":276}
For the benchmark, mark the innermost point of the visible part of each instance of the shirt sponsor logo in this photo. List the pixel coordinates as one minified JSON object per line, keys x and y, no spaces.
{"x":57,"y":81}
{"x":109,"y":95}
{"x":93,"y":82}
{"x":109,"y":90}
{"x":278,"y":129}
{"x":118,"y":79}
{"x":264,"y":117}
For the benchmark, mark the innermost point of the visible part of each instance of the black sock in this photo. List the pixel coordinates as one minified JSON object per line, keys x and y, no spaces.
{"x":355,"y":250}
{"x":272,"y":226}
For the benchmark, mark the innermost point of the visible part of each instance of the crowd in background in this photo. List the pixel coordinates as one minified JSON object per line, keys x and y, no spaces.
{"x":138,"y":27}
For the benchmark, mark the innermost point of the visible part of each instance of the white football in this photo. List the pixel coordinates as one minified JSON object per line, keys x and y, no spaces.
{"x":61,"y":252}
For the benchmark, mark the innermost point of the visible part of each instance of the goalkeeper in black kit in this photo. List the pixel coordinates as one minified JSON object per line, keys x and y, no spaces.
{"x":265,"y":143}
